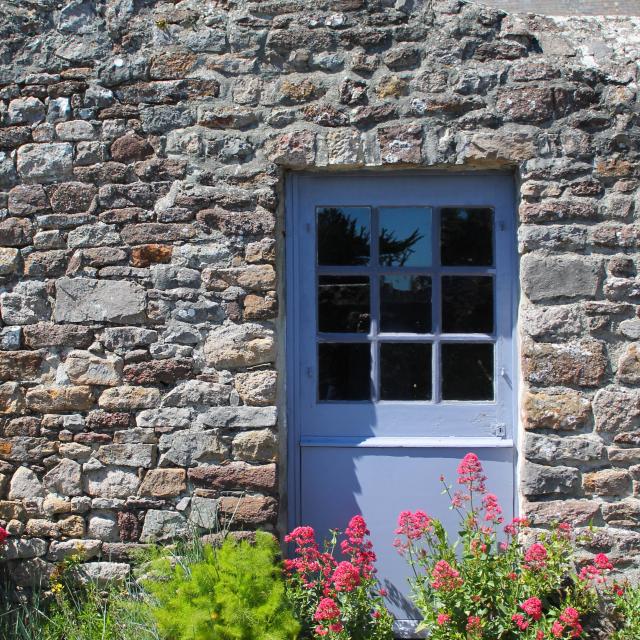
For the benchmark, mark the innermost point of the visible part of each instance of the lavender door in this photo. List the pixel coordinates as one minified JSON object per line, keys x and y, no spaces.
{"x":400,"y":322}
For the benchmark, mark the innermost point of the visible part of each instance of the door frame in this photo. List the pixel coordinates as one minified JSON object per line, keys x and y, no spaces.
{"x":292,"y":374}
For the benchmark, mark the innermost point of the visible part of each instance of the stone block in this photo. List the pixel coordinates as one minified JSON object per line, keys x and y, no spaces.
{"x":623,"y":513}
{"x":629,"y":365}
{"x":563,"y":411}
{"x":9,"y":261}
{"x":28,"y":303}
{"x":197,"y":392}
{"x":163,"y":526}
{"x":49,"y":334}
{"x":164,"y":483}
{"x":103,"y":525}
{"x":239,"y":417}
{"x":111,"y":482}
{"x":86,"y":368}
{"x":616,"y":410}
{"x":87,"y":300}
{"x":23,"y":548}
{"x":249,"y":510}
{"x":127,"y":455}
{"x":65,"y":478}
{"x":401,"y":144}
{"x":86,"y":549}
{"x":255,"y":446}
{"x":20,"y":365}
{"x":58,"y":399}
{"x":204,"y":512}
{"x":25,"y":485}
{"x":245,"y":345}
{"x":578,"y":513}
{"x":190,"y":447}
{"x":11,"y":398}
{"x":45,"y":162}
{"x":235,"y":476}
{"x":550,"y":449}
{"x":257,"y":388}
{"x":104,"y":574}
{"x":608,"y":482}
{"x":128,"y":398}
{"x":123,"y":339}
{"x":157,"y":371}
{"x":565,"y":276}
{"x":540,"y":480}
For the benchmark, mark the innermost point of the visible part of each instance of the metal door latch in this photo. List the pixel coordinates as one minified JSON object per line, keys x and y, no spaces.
{"x":500,"y":430}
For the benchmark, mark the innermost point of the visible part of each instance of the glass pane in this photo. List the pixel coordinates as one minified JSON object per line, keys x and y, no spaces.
{"x":343,"y":235}
{"x":343,"y":304}
{"x":405,"y":237}
{"x":467,"y":371}
{"x":467,"y":304}
{"x":344,"y":371}
{"x":405,"y":304}
{"x":466,"y":237}
{"x":405,"y":371}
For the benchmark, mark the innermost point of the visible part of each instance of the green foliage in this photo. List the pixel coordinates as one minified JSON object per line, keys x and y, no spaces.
{"x":233,"y":592}
{"x":627,"y":610}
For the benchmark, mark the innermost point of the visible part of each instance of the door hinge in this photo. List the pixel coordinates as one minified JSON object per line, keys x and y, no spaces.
{"x":499,"y":430}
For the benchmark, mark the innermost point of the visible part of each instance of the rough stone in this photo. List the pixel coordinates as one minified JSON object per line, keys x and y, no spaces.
{"x":243,"y":345}
{"x":127,"y":455}
{"x":85,"y":368}
{"x":257,"y":387}
{"x":197,"y":392}
{"x":190,"y":447}
{"x":249,"y":510}
{"x":608,"y":482}
{"x":564,"y":411}
{"x":235,"y":475}
{"x":629,"y":365}
{"x":553,"y":277}
{"x":111,"y":482}
{"x":25,"y":485}
{"x":86,"y":300}
{"x":65,"y":478}
{"x":163,"y":526}
{"x":58,"y":399}
{"x":103,"y":525}
{"x":550,"y":449}
{"x":104,"y":574}
{"x":164,"y":483}
{"x":45,"y":162}
{"x":540,"y":480}
{"x":578,"y":513}
{"x":581,"y":363}
{"x":128,"y":398}
{"x":204,"y":512}
{"x":255,"y":446}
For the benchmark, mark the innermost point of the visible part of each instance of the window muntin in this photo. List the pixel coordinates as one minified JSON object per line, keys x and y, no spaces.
{"x":416,"y":291}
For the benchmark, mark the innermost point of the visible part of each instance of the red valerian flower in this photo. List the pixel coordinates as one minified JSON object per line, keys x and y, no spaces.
{"x":532,"y":607}
{"x":356,"y":530}
{"x":470,"y":473}
{"x":602,"y":562}
{"x":557,"y":629}
{"x":327,"y":610}
{"x":4,"y":534}
{"x":520,"y":621}
{"x":517,"y":523}
{"x":445,"y":577}
{"x":345,"y":577}
{"x":493,"y":511}
{"x":474,"y":626}
{"x":536,"y":556}
{"x":443,"y":618}
{"x":539,"y":635}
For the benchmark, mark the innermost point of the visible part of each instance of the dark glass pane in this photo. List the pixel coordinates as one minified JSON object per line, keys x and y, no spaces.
{"x":343,"y":235}
{"x":467,"y":304}
{"x":405,"y":371}
{"x":405,"y":237}
{"x":344,"y":371}
{"x":466,"y":237}
{"x":467,"y":371}
{"x":343,"y":304}
{"x":405,"y":304}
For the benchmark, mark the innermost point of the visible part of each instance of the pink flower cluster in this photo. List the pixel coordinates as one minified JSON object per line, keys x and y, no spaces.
{"x":444,"y":577}
{"x":596,"y":571}
{"x":412,"y":526}
{"x":321,"y":573}
{"x":533,"y":608}
{"x":535,"y":557}
{"x":4,"y":534}
{"x":569,"y":621}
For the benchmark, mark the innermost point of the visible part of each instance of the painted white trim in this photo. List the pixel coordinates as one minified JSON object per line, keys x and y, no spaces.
{"x":408,"y":442}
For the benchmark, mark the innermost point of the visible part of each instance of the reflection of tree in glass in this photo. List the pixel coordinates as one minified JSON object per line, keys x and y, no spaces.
{"x":394,"y":252}
{"x":340,"y":241}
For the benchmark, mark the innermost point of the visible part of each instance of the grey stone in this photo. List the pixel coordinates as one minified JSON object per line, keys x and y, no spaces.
{"x":128,"y":398}
{"x":260,"y":445}
{"x":58,"y":109}
{"x":240,"y":345}
{"x":84,"y":367}
{"x":65,"y":478}
{"x":28,"y":303}
{"x":85,"y":300}
{"x":75,"y":130}
{"x":550,"y":449}
{"x":190,"y":447}
{"x":45,"y":162}
{"x":204,"y":512}
{"x":113,"y":482}
{"x":25,"y":111}
{"x":86,"y":549}
{"x":630,"y":328}
{"x":539,"y":480}
{"x":163,"y":526}
{"x":567,"y":276}
{"x":166,"y":417}
{"x":103,"y":525}
{"x":170,"y":277}
{"x":25,"y":485}
{"x":616,"y":409}
{"x":197,"y":392}
{"x":104,"y":574}
{"x":23,"y":548}
{"x":96,"y":235}
{"x":123,"y":339}
{"x":257,"y":387}
{"x":10,"y":338}
{"x":239,"y":417}
{"x":127,"y":455}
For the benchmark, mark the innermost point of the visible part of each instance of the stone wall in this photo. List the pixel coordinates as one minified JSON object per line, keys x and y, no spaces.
{"x":143,"y":150}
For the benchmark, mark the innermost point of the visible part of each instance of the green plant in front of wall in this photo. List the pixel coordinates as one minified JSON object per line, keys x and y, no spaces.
{"x":626,"y":613}
{"x":231,"y":592}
